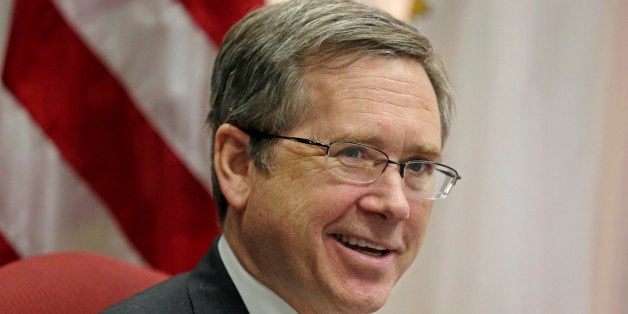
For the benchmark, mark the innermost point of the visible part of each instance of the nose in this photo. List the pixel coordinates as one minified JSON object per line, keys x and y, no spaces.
{"x":387,"y":197}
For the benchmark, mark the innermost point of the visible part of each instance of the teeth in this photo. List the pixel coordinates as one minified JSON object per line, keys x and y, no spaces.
{"x":359,"y":242}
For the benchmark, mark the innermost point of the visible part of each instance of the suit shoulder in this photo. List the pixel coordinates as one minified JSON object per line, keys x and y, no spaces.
{"x":169,"y":296}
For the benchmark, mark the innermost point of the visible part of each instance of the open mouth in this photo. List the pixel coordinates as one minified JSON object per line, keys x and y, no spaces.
{"x":361,"y":245}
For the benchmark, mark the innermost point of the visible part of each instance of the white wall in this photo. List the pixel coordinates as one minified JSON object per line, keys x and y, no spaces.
{"x":521,"y":232}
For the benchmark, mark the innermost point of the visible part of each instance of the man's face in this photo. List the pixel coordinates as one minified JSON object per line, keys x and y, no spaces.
{"x":299,"y":217}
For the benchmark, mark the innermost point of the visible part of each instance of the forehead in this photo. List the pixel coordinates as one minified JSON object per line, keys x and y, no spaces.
{"x":378,"y":100}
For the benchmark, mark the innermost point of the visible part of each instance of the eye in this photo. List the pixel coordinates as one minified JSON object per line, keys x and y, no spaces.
{"x":418,"y":168}
{"x":352,"y":153}
{"x":355,"y":155}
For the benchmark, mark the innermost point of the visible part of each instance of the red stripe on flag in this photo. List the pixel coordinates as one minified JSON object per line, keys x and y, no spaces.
{"x":164,"y":211}
{"x":7,"y":253}
{"x":215,"y":17}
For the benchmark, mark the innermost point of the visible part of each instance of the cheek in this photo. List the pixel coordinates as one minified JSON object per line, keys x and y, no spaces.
{"x":311,"y":189}
{"x":417,"y":225}
{"x":290,"y":198}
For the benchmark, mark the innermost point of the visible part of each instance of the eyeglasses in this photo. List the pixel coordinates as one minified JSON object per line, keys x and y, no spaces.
{"x":362,"y":163}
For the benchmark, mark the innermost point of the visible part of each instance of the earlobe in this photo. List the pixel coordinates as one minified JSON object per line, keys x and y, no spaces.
{"x":231,"y":164}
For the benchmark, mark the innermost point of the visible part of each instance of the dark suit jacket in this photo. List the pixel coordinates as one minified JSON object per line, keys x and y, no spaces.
{"x":207,"y":289}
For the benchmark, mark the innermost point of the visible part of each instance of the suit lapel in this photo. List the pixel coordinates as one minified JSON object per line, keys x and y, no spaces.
{"x":210,"y":288}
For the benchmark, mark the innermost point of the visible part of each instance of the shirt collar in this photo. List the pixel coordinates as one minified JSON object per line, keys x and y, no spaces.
{"x":257,"y":297}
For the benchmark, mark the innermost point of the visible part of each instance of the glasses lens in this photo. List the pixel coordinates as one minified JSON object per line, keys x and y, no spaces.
{"x":427,"y":179}
{"x":360,"y":163}
{"x":355,"y":162}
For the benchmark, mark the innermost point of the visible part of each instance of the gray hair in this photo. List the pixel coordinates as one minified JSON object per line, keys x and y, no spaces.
{"x":257,"y":81}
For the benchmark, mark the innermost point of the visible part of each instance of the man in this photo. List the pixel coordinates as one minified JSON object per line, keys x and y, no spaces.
{"x":328,"y":120}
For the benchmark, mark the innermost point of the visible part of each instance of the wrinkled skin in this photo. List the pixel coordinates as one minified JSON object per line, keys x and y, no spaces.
{"x":283,"y":226}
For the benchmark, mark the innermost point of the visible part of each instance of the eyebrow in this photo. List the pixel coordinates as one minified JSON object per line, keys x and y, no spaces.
{"x":426,"y":151}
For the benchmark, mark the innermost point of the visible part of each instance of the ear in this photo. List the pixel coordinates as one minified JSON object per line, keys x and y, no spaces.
{"x":231,"y":164}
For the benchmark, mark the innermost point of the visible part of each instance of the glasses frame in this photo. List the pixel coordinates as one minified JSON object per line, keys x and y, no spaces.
{"x":402,"y":165}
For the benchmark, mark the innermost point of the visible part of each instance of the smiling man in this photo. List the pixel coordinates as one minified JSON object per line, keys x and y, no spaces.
{"x":328,"y":119}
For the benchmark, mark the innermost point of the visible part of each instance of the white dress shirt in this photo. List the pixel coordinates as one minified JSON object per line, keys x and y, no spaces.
{"x":257,"y":297}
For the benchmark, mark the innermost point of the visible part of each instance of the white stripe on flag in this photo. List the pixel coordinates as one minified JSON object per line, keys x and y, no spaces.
{"x":5,"y":23}
{"x":163,"y":60}
{"x":44,"y":206}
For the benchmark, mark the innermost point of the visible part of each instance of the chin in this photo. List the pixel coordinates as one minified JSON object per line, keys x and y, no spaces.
{"x":355,"y":300}
{"x":369,"y":305}
{"x":353,"y":285}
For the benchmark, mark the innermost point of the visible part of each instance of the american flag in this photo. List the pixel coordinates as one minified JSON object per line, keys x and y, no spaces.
{"x":103,"y":146}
